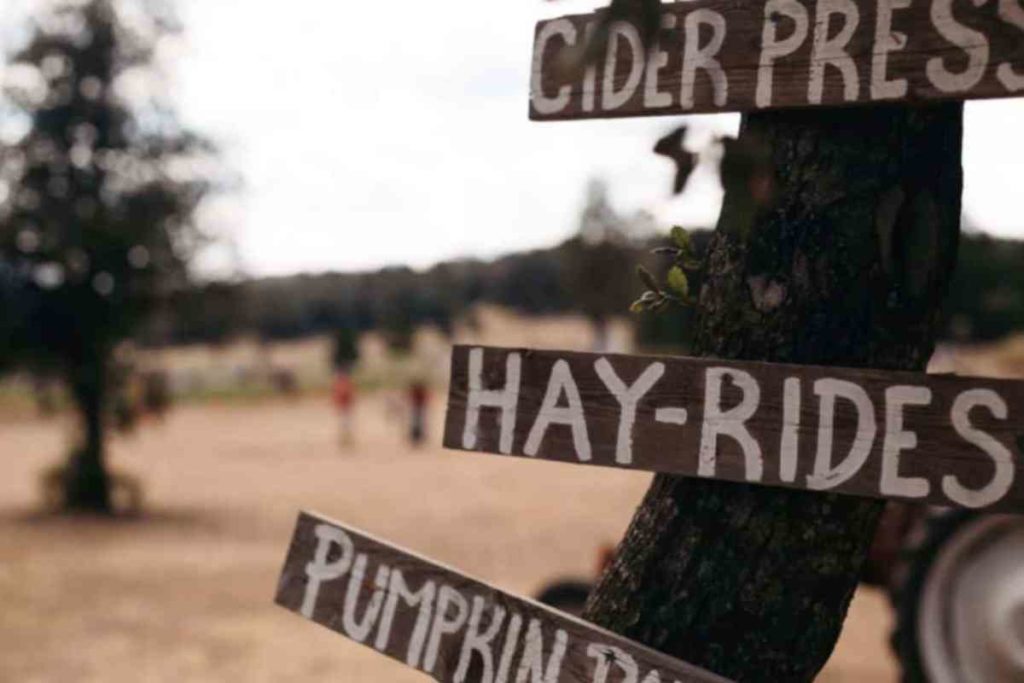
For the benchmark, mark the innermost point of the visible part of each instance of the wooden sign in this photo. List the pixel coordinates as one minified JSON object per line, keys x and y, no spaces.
{"x":452,"y":627}
{"x":745,"y":55}
{"x":951,"y":441}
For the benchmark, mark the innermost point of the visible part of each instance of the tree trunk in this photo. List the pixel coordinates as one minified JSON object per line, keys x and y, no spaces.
{"x":846,"y":266}
{"x":87,"y":485}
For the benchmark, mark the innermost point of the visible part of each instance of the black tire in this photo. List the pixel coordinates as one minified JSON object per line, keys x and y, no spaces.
{"x":921,"y":553}
{"x":909,"y":577}
{"x":566,"y":595}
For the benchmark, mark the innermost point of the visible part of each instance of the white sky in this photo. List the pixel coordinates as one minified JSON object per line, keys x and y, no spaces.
{"x":358,"y":152}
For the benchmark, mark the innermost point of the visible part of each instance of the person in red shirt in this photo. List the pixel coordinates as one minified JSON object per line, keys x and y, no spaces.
{"x":418,"y":398}
{"x":344,"y":396}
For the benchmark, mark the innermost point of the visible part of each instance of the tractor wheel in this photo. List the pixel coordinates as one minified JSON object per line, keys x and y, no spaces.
{"x":959,"y":600}
{"x":566,"y":595}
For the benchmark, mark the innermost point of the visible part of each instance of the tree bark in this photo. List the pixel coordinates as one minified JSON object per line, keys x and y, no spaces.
{"x":87,"y":484}
{"x":847,"y":265}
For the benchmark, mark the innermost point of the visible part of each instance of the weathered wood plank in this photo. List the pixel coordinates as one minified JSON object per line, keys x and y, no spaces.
{"x":747,"y":55}
{"x":952,"y":441}
{"x":448,"y":625}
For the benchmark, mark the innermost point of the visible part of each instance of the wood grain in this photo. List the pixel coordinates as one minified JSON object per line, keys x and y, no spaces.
{"x":945,"y":440}
{"x":746,"y":55}
{"x":460,"y":629}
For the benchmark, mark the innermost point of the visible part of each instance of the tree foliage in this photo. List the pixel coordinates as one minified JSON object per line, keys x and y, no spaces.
{"x":986,"y":299}
{"x":100,"y":193}
{"x":345,"y":350}
{"x":598,"y":263}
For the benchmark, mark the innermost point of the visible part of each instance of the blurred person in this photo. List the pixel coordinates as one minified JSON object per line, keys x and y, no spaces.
{"x":419,"y":396}
{"x":344,"y":396}
{"x":156,"y":393}
{"x":284,"y":382}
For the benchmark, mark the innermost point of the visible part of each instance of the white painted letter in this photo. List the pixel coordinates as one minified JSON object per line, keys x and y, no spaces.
{"x":628,"y":397}
{"x":826,"y":476}
{"x":423,"y":599}
{"x":532,"y":663}
{"x":657,"y":59}
{"x":541,"y":102}
{"x":444,"y":623}
{"x":618,"y":32}
{"x":832,"y":51}
{"x":515,"y":624}
{"x":355,"y":630}
{"x":697,"y":57}
{"x":730,"y":422}
{"x":478,"y":642}
{"x":1000,"y":454}
{"x":1012,"y":12}
{"x":561,"y":382}
{"x":590,"y":75}
{"x":772,"y":48}
{"x":898,"y":440}
{"x":789,"y":449}
{"x":506,"y":399}
{"x":886,"y":41}
{"x":972,"y":42}
{"x":319,"y":570}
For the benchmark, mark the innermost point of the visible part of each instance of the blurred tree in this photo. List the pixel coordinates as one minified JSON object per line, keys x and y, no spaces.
{"x":9,"y":313}
{"x":97,"y":221}
{"x":599,"y":262}
{"x":346,"y":349}
{"x":398,"y":322}
{"x":986,"y":299}
{"x":208,"y":312}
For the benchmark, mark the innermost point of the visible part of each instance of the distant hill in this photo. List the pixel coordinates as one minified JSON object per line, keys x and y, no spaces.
{"x":986,"y":299}
{"x":533,"y":282}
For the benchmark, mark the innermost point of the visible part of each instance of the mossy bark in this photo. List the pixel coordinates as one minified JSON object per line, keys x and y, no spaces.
{"x":846,"y":265}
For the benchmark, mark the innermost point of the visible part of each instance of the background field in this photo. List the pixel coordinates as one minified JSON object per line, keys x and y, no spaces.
{"x":185,"y":593}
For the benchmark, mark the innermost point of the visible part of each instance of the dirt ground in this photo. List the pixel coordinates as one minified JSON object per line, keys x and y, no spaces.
{"x":185,"y":593}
